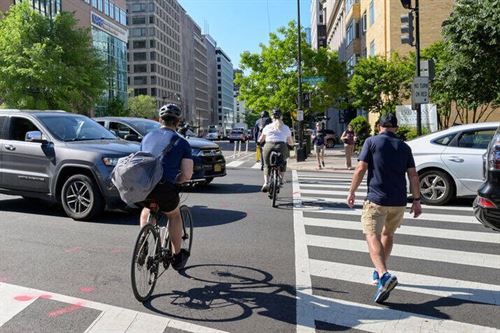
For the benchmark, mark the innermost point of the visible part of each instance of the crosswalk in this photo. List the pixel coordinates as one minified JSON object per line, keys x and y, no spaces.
{"x":447,"y":265}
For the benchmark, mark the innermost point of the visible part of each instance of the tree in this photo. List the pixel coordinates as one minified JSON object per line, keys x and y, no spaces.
{"x":272,"y":81}
{"x":143,"y":106}
{"x":472,"y":74}
{"x":48,"y":63}
{"x":379,"y":84}
{"x":116,"y":108}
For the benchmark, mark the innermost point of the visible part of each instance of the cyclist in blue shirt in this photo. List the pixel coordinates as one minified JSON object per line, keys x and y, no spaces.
{"x":177,"y":168}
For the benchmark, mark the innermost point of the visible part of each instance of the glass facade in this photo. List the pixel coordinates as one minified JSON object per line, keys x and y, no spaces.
{"x":115,"y":51}
{"x":46,"y":7}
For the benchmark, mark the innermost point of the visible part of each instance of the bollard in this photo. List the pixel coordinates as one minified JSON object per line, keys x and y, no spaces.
{"x":234,"y":150}
{"x":239,"y":147}
{"x":246,"y":149}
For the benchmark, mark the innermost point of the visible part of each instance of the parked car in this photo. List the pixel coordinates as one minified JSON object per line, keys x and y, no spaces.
{"x":487,"y":203}
{"x":212,"y":136}
{"x":449,"y":162}
{"x":61,"y":157}
{"x":207,"y":156}
{"x":237,"y":135}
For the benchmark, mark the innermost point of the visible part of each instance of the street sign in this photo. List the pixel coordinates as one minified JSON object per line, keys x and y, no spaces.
{"x":427,"y":69}
{"x":420,"y":90}
{"x":300,"y":115}
{"x":313,"y":79}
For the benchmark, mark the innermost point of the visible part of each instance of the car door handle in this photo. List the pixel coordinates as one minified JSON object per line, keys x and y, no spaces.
{"x":10,"y":147}
{"x":456,"y":159}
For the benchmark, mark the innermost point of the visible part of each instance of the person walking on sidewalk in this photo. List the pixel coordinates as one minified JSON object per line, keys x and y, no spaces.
{"x":319,"y":145}
{"x":262,"y":122}
{"x":387,"y":159}
{"x":348,"y":138}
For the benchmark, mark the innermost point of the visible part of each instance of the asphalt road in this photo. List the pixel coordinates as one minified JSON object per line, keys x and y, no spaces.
{"x":240,"y":277}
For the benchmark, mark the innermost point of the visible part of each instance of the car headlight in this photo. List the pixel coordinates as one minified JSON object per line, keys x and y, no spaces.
{"x":110,"y":161}
{"x":196,"y":152}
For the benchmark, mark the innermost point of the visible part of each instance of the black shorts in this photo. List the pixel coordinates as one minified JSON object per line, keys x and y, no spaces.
{"x":166,"y":195}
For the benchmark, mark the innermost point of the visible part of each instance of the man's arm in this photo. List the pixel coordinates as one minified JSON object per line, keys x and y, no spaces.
{"x":416,"y":207}
{"x":186,"y":171}
{"x":357,"y":178}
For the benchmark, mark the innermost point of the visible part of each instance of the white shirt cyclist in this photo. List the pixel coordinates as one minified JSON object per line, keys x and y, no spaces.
{"x":274,"y":134}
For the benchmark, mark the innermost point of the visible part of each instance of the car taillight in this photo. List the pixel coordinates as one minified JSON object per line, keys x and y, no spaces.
{"x":485,"y":203}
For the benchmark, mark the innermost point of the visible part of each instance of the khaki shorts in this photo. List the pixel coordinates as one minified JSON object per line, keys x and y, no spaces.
{"x":319,"y":149}
{"x":375,"y":217}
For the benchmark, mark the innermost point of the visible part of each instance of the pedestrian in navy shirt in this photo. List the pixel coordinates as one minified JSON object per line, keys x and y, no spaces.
{"x":388,"y":159}
{"x":319,"y":145}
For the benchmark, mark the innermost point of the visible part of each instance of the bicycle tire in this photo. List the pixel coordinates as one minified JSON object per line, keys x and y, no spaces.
{"x":187,"y":228}
{"x":144,"y":283}
{"x":275,"y":185}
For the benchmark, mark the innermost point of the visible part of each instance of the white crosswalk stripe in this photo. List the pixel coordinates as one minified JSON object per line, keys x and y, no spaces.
{"x":426,"y":255}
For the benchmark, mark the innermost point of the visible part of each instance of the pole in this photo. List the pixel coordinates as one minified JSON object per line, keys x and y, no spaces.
{"x":417,"y":56}
{"x":300,"y":150}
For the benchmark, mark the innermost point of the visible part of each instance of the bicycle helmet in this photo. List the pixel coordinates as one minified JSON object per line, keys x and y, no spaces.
{"x":170,"y":110}
{"x":264,"y":114}
{"x":276,"y":113}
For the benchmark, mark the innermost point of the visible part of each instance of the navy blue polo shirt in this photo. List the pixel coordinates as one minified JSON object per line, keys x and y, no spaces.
{"x":388,"y":159}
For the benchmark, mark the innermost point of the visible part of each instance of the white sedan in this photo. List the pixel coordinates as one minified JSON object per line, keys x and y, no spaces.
{"x":450,"y":162}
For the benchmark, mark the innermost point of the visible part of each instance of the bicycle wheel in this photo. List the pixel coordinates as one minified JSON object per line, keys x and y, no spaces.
{"x":144,"y":270}
{"x":187,"y":228}
{"x":275,"y":186}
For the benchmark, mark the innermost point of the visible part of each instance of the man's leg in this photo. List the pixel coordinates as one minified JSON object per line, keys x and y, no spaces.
{"x":387,"y":240}
{"x":377,"y":254}
{"x":175,"y":229}
{"x":144,"y":217}
{"x":372,"y":218}
{"x":394,"y":219}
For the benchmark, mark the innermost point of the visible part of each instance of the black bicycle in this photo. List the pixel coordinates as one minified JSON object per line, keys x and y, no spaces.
{"x":276,"y":165}
{"x":153,"y":249}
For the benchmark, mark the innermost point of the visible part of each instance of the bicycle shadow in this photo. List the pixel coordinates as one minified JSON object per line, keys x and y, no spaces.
{"x":233,"y":293}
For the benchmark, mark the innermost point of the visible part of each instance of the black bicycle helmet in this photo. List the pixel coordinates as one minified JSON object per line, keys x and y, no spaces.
{"x":276,"y":113}
{"x":264,"y":114}
{"x":170,"y":110}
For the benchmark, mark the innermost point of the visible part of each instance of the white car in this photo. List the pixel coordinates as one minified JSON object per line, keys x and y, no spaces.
{"x":450,"y":162}
{"x":212,"y":136}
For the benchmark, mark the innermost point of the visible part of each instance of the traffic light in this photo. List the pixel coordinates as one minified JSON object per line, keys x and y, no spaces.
{"x":407,"y":29}
{"x":406,"y":3}
{"x":306,"y":100}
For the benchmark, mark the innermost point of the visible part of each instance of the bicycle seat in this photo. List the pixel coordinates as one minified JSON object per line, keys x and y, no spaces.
{"x":275,"y":159}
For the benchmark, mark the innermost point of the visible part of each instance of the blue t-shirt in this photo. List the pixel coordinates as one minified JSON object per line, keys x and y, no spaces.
{"x":388,"y":159}
{"x":155,"y":143}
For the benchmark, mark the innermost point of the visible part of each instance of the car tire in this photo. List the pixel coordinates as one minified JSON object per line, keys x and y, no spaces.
{"x":330,"y":143}
{"x":436,"y":187}
{"x":81,"y":198}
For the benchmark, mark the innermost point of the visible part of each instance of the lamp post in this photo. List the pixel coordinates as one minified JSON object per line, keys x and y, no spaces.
{"x":300,"y":155}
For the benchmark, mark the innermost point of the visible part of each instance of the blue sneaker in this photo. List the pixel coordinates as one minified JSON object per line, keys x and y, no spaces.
{"x":375,"y":278}
{"x":385,"y":285}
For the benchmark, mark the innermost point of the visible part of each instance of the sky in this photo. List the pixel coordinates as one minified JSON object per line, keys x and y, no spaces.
{"x":241,"y":25}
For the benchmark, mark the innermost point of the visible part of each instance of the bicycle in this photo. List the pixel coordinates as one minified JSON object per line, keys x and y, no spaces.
{"x":276,"y":164}
{"x":153,"y":249}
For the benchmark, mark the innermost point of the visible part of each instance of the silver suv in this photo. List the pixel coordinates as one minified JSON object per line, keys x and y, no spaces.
{"x":60,"y":157}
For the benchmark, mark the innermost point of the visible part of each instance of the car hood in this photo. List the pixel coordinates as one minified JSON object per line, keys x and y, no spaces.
{"x":201,"y":143}
{"x":114,"y":147}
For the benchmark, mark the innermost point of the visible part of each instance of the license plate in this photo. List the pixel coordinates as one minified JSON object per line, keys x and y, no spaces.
{"x":217,"y":168}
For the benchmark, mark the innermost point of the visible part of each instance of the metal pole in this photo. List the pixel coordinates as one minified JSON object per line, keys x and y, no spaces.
{"x":417,"y":56}
{"x":299,"y":69}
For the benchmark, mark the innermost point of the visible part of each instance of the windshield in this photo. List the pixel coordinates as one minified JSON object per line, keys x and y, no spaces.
{"x":144,"y":126}
{"x":75,"y":128}
{"x":212,"y":130}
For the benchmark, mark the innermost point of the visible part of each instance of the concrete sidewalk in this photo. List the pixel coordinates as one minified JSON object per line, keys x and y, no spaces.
{"x":334,"y":161}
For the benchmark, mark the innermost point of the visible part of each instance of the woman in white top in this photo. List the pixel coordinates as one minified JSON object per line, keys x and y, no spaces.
{"x":277,"y":136}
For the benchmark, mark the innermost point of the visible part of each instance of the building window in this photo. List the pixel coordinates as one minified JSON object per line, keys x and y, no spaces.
{"x":372,"y":13}
{"x":151,"y":19}
{"x":139,"y":44}
{"x":138,"y":56}
{"x":372,"y":48}
{"x":140,"y":68}
{"x":94,"y":3}
{"x":153,"y":68}
{"x":138,"y":20}
{"x":351,"y":63}
{"x":350,"y":32}
{"x":152,"y":56}
{"x":123,"y":17}
{"x":363,"y":23}
{"x":106,"y":7}
{"x":138,"y":7}
{"x":140,"y":80}
{"x":140,"y":91}
{"x":99,"y":5}
{"x":349,"y":4}
{"x":153,"y":91}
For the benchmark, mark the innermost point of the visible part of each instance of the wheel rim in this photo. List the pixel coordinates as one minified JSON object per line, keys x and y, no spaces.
{"x":187,"y":226}
{"x":433,"y":187}
{"x":144,"y":276}
{"x":79,"y":197}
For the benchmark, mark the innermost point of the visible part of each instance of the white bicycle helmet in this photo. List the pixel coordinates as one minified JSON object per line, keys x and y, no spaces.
{"x":170,"y":110}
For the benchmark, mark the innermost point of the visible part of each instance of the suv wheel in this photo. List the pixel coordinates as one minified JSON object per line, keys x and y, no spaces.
{"x":436,"y":187}
{"x":81,"y":198}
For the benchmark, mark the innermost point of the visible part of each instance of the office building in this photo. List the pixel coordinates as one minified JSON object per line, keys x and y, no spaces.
{"x":107,"y":20}
{"x":225,"y":90}
{"x":211,"y":46}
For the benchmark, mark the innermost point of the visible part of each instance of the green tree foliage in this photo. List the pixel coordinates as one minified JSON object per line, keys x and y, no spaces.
{"x":361,"y":127}
{"x":143,"y":106}
{"x":116,"y":108}
{"x":472,"y":73}
{"x":272,"y":81}
{"x":48,"y":63}
{"x":379,"y":84}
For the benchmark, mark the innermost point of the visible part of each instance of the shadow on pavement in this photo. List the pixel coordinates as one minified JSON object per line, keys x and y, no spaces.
{"x":31,"y":206}
{"x":223,"y":189}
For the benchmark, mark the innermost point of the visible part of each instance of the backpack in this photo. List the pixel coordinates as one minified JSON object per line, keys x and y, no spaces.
{"x":136,"y":175}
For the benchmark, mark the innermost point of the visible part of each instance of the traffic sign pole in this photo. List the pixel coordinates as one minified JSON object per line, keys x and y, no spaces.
{"x":417,"y":56}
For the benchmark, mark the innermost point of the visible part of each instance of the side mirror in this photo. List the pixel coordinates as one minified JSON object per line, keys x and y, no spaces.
{"x":34,"y":136}
{"x":132,"y":137}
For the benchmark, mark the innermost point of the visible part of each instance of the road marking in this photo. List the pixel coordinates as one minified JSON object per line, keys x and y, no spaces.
{"x":332,"y":187}
{"x":112,"y":318}
{"x":409,"y":251}
{"x":372,"y":318}
{"x":303,"y":284}
{"x":234,"y":164}
{"x":418,"y":283}
{"x":481,"y":237}
{"x":256,"y":165}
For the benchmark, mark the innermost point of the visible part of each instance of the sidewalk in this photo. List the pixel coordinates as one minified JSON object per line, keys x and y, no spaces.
{"x":334,"y":161}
